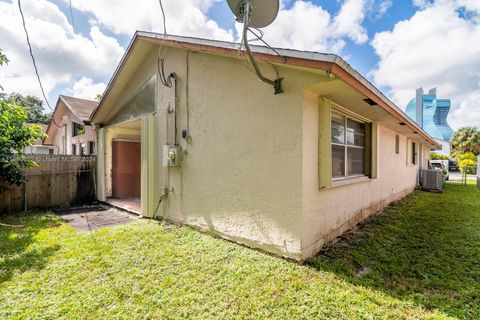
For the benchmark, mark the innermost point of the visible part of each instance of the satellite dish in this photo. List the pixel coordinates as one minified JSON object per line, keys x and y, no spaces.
{"x":256,"y":14}
{"x":262,"y":12}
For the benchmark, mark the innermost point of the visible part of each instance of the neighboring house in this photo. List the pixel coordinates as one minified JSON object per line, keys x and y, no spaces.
{"x":69,"y":132}
{"x":286,"y":173}
{"x":38,"y":147}
{"x":431,"y":114}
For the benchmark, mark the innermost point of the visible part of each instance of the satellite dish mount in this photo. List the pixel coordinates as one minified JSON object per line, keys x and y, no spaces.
{"x":257,"y":14}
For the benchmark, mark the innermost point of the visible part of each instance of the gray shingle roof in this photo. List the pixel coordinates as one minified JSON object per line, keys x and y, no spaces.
{"x":82,"y":108}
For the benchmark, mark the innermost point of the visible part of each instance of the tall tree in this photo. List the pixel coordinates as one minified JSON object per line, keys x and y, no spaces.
{"x":15,"y":135}
{"x":466,"y":139}
{"x":3,"y":60}
{"x":32,"y":106}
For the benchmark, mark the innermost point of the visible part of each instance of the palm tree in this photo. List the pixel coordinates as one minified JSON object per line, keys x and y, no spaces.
{"x":466,"y":139}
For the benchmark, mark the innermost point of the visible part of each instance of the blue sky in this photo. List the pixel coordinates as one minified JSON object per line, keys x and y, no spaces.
{"x":361,"y":56}
{"x":397,"y":45}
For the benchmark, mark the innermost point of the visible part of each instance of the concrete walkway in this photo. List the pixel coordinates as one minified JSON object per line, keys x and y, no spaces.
{"x":95,"y":217}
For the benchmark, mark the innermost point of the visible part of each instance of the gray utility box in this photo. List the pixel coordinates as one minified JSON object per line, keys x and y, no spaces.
{"x":172,"y":155}
{"x":432,"y":179}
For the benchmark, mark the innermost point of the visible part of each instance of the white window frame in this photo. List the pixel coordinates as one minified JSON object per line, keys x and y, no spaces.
{"x":345,"y":145}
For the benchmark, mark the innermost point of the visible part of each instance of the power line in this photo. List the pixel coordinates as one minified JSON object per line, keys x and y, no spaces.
{"x":166,"y":81}
{"x":34,"y":62}
{"x":71,"y":15}
{"x":31,"y":55}
{"x":260,"y":38}
{"x":164,"y":20}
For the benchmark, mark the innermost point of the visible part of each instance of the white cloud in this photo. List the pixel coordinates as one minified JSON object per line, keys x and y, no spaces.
{"x":377,"y":9}
{"x":349,"y":20}
{"x":306,"y":26}
{"x":184,"y":17}
{"x":85,"y":88}
{"x":61,"y":55}
{"x":421,"y":3}
{"x":303,"y":26}
{"x":434,"y":48}
{"x":68,"y":60}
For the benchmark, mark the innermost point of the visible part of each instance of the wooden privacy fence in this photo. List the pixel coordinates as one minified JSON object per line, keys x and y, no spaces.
{"x":57,"y":181}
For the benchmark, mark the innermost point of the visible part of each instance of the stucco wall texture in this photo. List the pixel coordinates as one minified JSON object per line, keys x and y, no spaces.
{"x":328,"y":213}
{"x":241,"y":176}
{"x":251,"y":169}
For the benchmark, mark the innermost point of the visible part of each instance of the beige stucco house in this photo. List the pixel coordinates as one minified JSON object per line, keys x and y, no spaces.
{"x":69,"y":132}
{"x":284,"y":173}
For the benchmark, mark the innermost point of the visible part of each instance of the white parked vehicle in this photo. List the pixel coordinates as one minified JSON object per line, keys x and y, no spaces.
{"x":441,"y":165}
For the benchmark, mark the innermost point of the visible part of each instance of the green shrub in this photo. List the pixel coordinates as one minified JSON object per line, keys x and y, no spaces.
{"x":14,"y":137}
{"x":467,"y":162}
{"x":437,"y":156}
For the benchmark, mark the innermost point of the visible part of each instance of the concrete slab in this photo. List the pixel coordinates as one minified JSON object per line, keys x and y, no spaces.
{"x":131,"y":205}
{"x":96,"y":217}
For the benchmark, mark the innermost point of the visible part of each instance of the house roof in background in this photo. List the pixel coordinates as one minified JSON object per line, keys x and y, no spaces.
{"x":82,"y":108}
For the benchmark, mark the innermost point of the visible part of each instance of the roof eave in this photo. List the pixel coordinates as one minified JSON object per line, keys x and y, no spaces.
{"x":52,"y":120}
{"x":327,"y":62}
{"x":73,"y":111}
{"x":110,"y":84}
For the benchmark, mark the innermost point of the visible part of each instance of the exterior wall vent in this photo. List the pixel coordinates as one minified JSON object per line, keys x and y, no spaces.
{"x":370,"y":102}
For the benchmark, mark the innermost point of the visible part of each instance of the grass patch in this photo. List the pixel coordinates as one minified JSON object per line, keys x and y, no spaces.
{"x":424,"y":249}
{"x":417,"y":261}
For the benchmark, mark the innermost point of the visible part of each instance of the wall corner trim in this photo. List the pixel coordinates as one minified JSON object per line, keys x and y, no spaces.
{"x":324,"y":147}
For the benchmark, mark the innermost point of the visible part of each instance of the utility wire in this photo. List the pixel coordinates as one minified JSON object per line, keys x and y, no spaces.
{"x":166,"y":81}
{"x":71,"y":15}
{"x":31,"y":55}
{"x":34,"y":62}
{"x":163,"y":15}
{"x":260,"y":38}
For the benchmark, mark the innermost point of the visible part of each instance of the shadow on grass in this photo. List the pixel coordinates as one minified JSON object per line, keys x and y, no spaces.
{"x":19,"y":250}
{"x":425,"y":249}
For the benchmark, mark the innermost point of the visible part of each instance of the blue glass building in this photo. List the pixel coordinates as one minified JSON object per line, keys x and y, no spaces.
{"x":431,"y":114}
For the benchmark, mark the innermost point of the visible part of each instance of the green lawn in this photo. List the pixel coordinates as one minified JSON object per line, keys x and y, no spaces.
{"x":420,"y":259}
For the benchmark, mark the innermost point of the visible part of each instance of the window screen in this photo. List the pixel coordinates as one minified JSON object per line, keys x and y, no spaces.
{"x":348,"y":147}
{"x":397,"y":144}
{"x":414,"y":153}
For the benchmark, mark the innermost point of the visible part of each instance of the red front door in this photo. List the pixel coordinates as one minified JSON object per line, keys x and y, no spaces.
{"x":126,"y":169}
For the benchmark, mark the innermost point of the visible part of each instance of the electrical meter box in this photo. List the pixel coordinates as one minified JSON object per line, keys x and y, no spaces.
{"x":172,"y":155}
